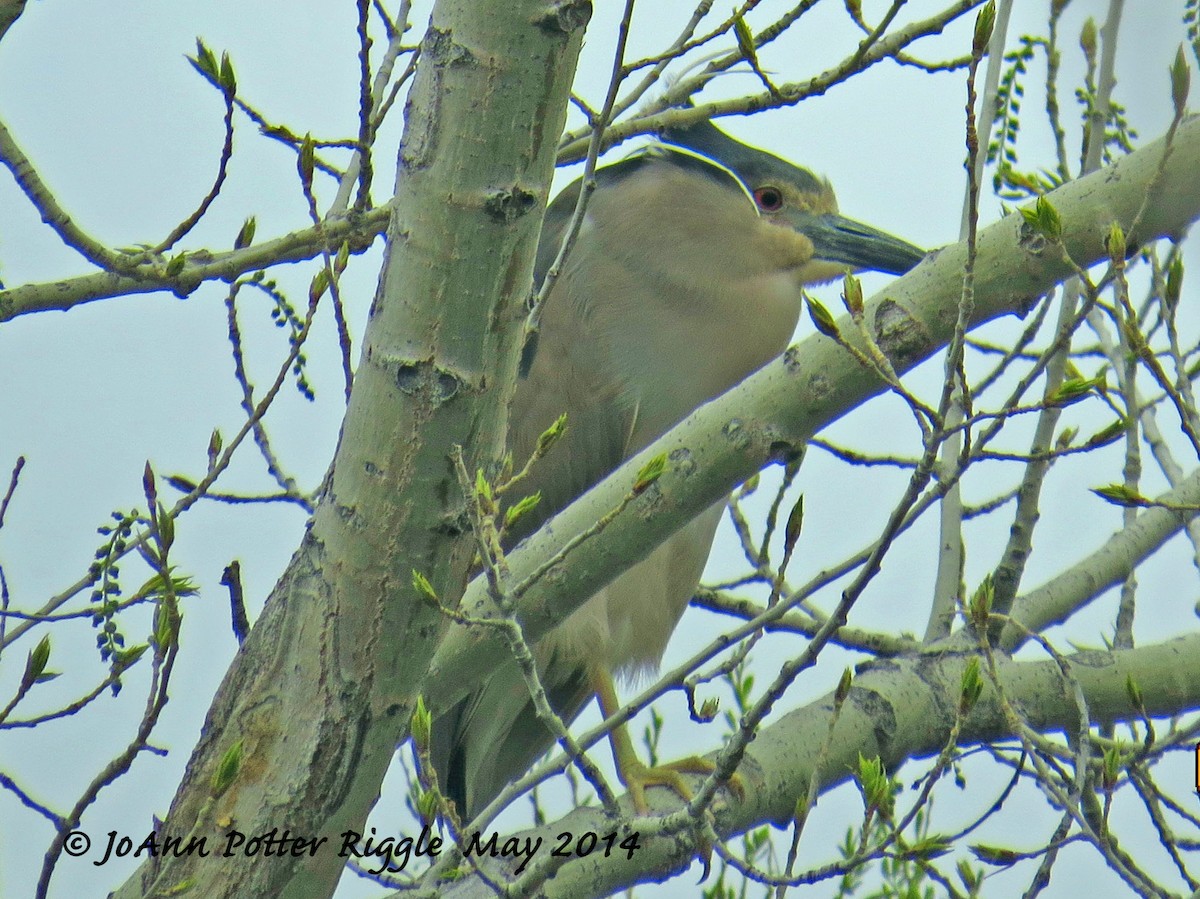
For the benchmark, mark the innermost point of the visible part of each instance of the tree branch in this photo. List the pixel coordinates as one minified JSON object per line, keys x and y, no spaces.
{"x":896,"y":710}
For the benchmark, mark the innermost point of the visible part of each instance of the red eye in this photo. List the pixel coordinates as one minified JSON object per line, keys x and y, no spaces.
{"x":769,"y":199}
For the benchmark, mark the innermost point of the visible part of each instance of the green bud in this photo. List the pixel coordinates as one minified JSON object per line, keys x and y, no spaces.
{"x":318,"y":286}
{"x":1087,"y":40}
{"x":1107,"y":435}
{"x":795,"y":522}
{"x":1113,"y":763}
{"x":306,"y":161}
{"x":1066,"y":438}
{"x":1174,"y":285}
{"x":215,"y":444}
{"x":421,"y":725}
{"x":852,"y":295}
{"x":984,"y":23}
{"x":820,"y":317}
{"x":1115,"y":244}
{"x":1181,"y":80}
{"x":843,"y":688}
{"x":425,"y":589}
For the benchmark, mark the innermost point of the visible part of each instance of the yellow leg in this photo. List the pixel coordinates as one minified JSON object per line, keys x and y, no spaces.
{"x":633,"y":772}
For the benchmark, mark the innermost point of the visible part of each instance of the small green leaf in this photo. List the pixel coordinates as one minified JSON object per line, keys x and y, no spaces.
{"x":551,"y":435}
{"x":526,"y":504}
{"x":123,"y":658}
{"x":227,"y":769}
{"x":1120,"y":495}
{"x":649,"y":473}
{"x":843,"y":688}
{"x":972,"y":685}
{"x":35,"y":664}
{"x":424,"y":588}
{"x":245,"y":236}
{"x":228,"y":79}
{"x":980,"y":606}
{"x":994,"y":855}
{"x":204,"y":61}
{"x":1072,"y":390}
{"x":1044,"y":219}
{"x":166,"y":528}
{"x":1107,"y":434}
{"x":427,"y":805}
{"x":1174,"y":285}
{"x":1135,"y":694}
{"x":745,"y":38}
{"x":164,"y":631}
{"x":795,"y":523}
{"x":801,"y":806}
{"x":928,"y":848}
{"x":873,"y":781}
{"x":483,"y":489}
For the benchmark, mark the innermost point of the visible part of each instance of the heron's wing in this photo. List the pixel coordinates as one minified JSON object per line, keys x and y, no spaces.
{"x":569,"y":370}
{"x":494,"y":734}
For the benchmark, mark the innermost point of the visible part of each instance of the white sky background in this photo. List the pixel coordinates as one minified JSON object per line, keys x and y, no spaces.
{"x":127,"y":135}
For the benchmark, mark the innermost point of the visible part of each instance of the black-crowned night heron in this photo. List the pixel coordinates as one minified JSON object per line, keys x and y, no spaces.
{"x":685,"y":278}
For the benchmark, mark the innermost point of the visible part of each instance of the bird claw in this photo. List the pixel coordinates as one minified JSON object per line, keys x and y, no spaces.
{"x":637,"y":776}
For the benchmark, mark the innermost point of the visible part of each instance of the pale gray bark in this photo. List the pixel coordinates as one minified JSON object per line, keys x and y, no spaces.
{"x":322,"y":690}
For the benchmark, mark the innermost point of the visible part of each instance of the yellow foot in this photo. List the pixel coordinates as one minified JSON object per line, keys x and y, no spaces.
{"x":637,"y":776}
